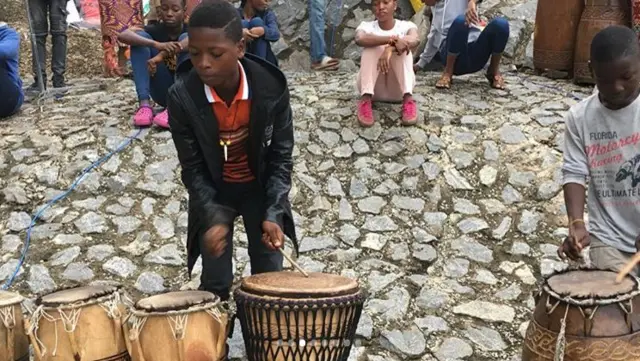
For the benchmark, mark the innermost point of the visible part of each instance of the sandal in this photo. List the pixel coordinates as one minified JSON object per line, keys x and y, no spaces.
{"x":444,"y":82}
{"x":327,"y":63}
{"x":496,"y":81}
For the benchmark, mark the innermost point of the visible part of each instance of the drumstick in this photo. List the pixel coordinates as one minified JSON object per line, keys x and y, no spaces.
{"x":293,"y":263}
{"x":628,"y":268}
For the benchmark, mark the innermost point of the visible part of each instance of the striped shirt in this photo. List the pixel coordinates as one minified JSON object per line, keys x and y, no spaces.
{"x":233,"y":123}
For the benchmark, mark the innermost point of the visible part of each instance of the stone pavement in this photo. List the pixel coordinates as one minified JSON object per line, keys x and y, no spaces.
{"x":448,"y":224}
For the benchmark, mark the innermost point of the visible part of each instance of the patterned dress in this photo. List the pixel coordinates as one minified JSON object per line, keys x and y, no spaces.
{"x":116,"y":16}
{"x":635,"y":16}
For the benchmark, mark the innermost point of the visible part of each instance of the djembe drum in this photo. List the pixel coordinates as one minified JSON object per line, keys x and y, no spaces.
{"x":79,"y":324}
{"x":178,"y":326}
{"x":115,"y":17}
{"x":585,"y":315}
{"x":286,"y":316}
{"x":14,"y":344}
{"x":554,"y":34}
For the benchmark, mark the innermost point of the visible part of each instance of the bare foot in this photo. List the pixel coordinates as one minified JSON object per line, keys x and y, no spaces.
{"x":496,"y":81}
{"x":444,"y":82}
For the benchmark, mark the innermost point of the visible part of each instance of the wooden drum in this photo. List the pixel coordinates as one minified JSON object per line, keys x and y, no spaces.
{"x":288,"y":317}
{"x":584,"y":315}
{"x":79,"y":324}
{"x":555,"y":33}
{"x":14,"y":344}
{"x":178,"y":326}
{"x":597,"y":15}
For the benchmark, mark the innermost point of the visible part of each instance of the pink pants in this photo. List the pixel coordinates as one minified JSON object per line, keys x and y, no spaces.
{"x":390,"y":87}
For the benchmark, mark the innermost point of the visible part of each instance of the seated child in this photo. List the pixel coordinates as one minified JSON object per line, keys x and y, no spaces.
{"x":260,"y":28}
{"x":601,"y":143}
{"x":10,"y":83}
{"x":386,"y":67}
{"x":156,"y":52}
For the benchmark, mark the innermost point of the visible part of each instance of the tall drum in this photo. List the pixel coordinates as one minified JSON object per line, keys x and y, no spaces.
{"x":14,"y":344}
{"x":555,"y":33}
{"x":286,"y":316}
{"x":597,"y":15}
{"x":585,"y":315}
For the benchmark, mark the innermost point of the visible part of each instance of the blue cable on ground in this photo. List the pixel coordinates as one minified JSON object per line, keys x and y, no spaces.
{"x":25,"y":247}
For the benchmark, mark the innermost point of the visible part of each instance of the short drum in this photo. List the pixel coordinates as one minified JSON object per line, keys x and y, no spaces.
{"x":286,"y":316}
{"x":178,"y":326}
{"x":584,"y":315}
{"x":14,"y":344}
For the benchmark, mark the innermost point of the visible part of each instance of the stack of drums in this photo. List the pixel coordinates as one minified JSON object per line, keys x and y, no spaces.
{"x":286,"y":316}
{"x":555,"y":33}
{"x":597,"y":15}
{"x":14,"y":344}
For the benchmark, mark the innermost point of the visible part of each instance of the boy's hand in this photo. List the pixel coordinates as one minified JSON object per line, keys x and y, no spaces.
{"x":152,"y":64}
{"x":272,"y":235}
{"x":574,"y":244}
{"x":257,"y":31}
{"x":247,"y":35}
{"x":471,"y":16}
{"x":215,"y":239}
{"x":171,"y":47}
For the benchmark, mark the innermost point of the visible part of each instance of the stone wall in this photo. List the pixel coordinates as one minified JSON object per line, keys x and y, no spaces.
{"x":292,"y":49}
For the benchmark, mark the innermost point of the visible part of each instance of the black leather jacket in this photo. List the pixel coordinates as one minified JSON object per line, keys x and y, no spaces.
{"x":194,"y":128}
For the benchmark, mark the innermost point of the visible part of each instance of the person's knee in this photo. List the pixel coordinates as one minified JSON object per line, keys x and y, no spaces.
{"x":370,"y":55}
{"x":501,"y":25}
{"x":256,"y":23}
{"x":183,"y":36}
{"x":460,"y":22}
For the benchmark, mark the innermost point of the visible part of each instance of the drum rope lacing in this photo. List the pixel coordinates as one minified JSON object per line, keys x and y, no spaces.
{"x":8,"y":316}
{"x":70,"y":316}
{"x":178,"y":319}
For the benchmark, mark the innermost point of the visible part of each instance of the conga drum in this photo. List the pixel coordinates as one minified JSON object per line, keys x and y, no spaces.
{"x":585,"y":315}
{"x":555,"y":32}
{"x":115,"y":17}
{"x":286,"y":316}
{"x":597,"y":15}
{"x":178,"y":326}
{"x":14,"y":344}
{"x":81,"y":323}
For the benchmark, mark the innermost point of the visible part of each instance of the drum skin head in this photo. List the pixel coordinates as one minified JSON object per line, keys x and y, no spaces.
{"x":296,"y":285}
{"x":583,"y":284}
{"x":73,"y":295}
{"x":9,"y":298}
{"x":174,"y":301}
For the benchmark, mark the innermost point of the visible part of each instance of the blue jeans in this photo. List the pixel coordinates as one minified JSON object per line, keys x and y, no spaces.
{"x":474,"y":56}
{"x":257,"y":47}
{"x":10,"y":93}
{"x":316,"y":29}
{"x":157,"y":86}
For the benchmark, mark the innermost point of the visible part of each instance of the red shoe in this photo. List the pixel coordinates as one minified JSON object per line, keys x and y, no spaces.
{"x":162,"y":119}
{"x":365,"y":112}
{"x":143,"y":117}
{"x":409,"y":112}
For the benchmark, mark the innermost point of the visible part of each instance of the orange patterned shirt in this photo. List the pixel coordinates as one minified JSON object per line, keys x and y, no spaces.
{"x":233,"y":124}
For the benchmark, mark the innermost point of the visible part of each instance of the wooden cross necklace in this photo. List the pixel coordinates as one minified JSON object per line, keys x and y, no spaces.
{"x":224,"y":144}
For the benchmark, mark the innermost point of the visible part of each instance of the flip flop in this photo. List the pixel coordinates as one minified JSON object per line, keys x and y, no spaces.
{"x":327,"y":63}
{"x":444,"y":86}
{"x":496,"y":81}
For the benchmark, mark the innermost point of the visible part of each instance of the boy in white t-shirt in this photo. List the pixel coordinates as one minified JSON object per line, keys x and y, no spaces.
{"x":386,"y":66}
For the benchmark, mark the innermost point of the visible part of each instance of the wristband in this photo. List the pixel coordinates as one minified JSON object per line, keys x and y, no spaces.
{"x":576,"y":221}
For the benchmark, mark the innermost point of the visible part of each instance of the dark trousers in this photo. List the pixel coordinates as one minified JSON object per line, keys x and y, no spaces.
{"x":472,"y":57}
{"x":217,"y":273}
{"x":50,"y":16}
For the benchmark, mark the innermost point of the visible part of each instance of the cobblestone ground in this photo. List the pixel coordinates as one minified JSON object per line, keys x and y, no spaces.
{"x":448,"y":224}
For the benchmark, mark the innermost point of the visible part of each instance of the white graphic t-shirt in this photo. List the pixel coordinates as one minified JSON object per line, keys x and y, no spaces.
{"x":604,"y":145}
{"x":400,"y":28}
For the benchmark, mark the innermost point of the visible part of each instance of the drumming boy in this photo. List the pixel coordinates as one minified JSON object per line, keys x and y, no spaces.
{"x":232,"y":125}
{"x":602,"y":142}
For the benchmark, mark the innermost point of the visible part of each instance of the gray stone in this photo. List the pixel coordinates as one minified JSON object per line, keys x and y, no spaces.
{"x":408,"y":203}
{"x":431,"y":324}
{"x":127,"y":224}
{"x":317,"y":243}
{"x":486,"y":339}
{"x":18,"y":221}
{"x":472,"y":225}
{"x":424,"y":253}
{"x":345,"y":211}
{"x":511,"y":135}
{"x":380,"y":224}
{"x":78,"y":272}
{"x":528,"y":222}
{"x":40,"y":281}
{"x":456,"y":180}
{"x":431,"y":298}
{"x":472,"y":249}
{"x":373,"y":204}
{"x":486,"y":311}
{"x":119,"y":266}
{"x":167,"y":255}
{"x":453,"y":349}
{"x":66,"y":256}
{"x":349,"y":234}
{"x":100,"y":252}
{"x":91,"y":223}
{"x":410,"y":342}
{"x":374,"y":241}
{"x":456,"y":268}
{"x":465,"y":206}
{"x":150,"y":283}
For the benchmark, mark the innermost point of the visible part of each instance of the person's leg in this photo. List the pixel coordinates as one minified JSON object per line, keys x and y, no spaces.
{"x":58,"y":20}
{"x":38,"y":11}
{"x":10,"y":93}
{"x":497,"y":33}
{"x":217,"y":273}
{"x":605,"y":257}
{"x":140,"y":55}
{"x":258,"y":46}
{"x":366,"y":83}
{"x":404,"y":77}
{"x":317,"y":51}
{"x":454,"y":52}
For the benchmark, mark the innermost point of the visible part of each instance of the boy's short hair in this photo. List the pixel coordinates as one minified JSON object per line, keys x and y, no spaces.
{"x":218,"y":14}
{"x":613,"y":43}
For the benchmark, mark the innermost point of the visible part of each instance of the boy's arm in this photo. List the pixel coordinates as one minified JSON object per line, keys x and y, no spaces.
{"x":279,"y":163}
{"x":575,"y":170}
{"x":10,"y":44}
{"x":195,"y":175}
{"x":271,"y":31}
{"x":131,"y":38}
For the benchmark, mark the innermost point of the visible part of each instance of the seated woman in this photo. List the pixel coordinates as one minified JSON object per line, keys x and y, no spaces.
{"x":156,"y":53}
{"x":10,"y":82}
{"x":386,"y":67}
{"x":260,"y":28}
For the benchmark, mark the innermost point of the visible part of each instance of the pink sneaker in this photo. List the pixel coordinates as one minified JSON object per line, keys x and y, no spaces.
{"x":409,"y":112}
{"x":143,"y":116}
{"x":162,"y":119}
{"x":365,"y":113}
